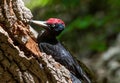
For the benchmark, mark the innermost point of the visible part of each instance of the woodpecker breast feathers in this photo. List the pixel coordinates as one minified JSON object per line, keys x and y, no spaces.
{"x":55,"y":21}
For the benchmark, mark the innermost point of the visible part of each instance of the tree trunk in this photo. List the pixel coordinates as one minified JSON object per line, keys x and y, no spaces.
{"x":20,"y":58}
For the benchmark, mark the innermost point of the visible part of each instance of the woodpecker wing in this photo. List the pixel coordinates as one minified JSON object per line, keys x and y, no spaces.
{"x":61,"y":55}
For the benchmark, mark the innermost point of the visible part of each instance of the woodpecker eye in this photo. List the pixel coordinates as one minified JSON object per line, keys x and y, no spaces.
{"x":53,"y":25}
{"x":56,"y":27}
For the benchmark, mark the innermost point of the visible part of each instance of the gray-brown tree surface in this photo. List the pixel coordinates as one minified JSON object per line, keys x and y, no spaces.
{"x":20,"y":58}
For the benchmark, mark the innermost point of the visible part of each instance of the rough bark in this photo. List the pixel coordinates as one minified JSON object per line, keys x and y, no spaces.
{"x":20,"y":58}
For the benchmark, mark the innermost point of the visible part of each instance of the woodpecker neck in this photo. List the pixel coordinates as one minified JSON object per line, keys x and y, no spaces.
{"x":46,"y":36}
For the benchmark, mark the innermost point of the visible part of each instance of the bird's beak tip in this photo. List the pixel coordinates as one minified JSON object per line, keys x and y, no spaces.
{"x":40,"y":23}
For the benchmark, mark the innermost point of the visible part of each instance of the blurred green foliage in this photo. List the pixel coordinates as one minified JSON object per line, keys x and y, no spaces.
{"x":35,"y":3}
{"x":91,"y":25}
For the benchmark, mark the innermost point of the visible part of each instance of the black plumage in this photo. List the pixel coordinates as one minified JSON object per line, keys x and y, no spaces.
{"x":50,"y":45}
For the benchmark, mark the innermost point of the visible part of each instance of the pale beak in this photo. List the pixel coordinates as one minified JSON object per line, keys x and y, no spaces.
{"x":40,"y":23}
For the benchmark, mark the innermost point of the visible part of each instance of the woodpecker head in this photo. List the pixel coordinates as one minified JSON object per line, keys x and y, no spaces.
{"x":53,"y":25}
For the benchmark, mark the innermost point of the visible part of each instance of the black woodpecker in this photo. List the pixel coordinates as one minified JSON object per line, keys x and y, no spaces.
{"x":50,"y":45}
